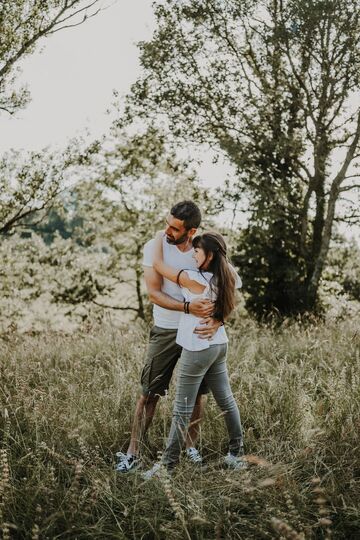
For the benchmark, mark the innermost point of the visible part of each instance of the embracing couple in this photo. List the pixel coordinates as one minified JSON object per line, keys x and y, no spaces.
{"x":192,"y":286}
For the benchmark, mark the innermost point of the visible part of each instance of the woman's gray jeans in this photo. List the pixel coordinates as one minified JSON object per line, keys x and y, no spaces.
{"x":194,"y":366}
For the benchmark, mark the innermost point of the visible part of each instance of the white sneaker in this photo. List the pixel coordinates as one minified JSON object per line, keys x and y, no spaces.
{"x":194,"y":455}
{"x":235,"y":462}
{"x":127,"y":462}
{"x":155,"y":472}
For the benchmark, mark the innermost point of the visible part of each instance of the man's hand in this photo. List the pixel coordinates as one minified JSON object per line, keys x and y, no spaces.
{"x":201,"y":308}
{"x":208,"y":328}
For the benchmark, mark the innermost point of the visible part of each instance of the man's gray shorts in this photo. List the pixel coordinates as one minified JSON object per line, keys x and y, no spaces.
{"x":162,"y":354}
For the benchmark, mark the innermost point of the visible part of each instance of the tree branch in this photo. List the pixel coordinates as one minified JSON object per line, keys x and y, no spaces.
{"x":348,"y":188}
{"x":304,"y":218}
{"x":334,"y":193}
{"x":350,"y":155}
{"x":42,"y":32}
{"x":118,"y":308}
{"x":85,"y":18}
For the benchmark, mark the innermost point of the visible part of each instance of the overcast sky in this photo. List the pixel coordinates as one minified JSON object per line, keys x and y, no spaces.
{"x":71,"y":79}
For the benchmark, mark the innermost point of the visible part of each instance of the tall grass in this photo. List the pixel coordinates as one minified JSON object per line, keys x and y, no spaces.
{"x":66,"y":408}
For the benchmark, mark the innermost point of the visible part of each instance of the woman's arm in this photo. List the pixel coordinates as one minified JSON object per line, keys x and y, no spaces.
{"x":168,"y":271}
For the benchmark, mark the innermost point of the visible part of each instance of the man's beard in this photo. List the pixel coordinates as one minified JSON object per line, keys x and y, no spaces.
{"x":180,"y":240}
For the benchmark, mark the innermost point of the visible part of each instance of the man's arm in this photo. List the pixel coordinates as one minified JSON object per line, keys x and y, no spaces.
{"x":153,"y":282}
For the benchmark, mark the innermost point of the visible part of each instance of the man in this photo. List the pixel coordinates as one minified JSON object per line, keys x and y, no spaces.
{"x":163,"y":351}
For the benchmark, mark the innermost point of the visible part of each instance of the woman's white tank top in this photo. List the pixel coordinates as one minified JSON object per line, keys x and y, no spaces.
{"x":185,"y":335}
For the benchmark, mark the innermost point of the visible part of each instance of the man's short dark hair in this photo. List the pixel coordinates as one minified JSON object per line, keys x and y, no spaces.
{"x":188,"y":212}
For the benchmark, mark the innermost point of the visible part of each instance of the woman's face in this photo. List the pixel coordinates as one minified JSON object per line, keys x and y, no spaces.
{"x":200,"y":257}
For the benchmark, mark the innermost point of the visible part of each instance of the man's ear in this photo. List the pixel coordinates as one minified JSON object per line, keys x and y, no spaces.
{"x":192,"y":232}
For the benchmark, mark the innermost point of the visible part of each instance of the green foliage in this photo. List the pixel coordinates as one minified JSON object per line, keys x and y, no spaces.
{"x":30,"y":182}
{"x":20,"y":279}
{"x":135,"y":181}
{"x":42,"y":284}
{"x":273,"y":271}
{"x":23,"y":24}
{"x":63,"y":221}
{"x":90,"y":259}
{"x":342,"y":274}
{"x":66,"y":408}
{"x":271,"y":85}
{"x":351,"y":277}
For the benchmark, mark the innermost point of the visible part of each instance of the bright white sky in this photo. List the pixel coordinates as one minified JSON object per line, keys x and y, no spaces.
{"x":72,"y":78}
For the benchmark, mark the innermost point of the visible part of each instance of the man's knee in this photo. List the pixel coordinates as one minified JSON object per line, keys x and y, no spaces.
{"x":148,"y":400}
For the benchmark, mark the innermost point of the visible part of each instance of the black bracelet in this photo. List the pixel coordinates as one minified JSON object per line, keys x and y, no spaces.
{"x":186,"y":307}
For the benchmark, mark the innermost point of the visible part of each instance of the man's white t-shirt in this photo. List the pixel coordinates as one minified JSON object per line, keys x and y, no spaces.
{"x":180,"y":260}
{"x":166,"y":318}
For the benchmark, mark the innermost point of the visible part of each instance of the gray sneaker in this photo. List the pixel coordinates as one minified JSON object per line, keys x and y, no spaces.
{"x":194,"y":456}
{"x":236,"y":463}
{"x":127,"y":462}
{"x":156,"y":471}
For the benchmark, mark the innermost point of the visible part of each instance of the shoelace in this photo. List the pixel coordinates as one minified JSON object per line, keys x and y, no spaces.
{"x":194,"y":454}
{"x":125,"y":461}
{"x":153,"y":471}
{"x":125,"y":464}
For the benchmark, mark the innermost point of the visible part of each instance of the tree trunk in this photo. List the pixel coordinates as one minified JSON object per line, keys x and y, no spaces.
{"x":314,"y":280}
{"x":138,"y":274}
{"x":317,"y":241}
{"x":313,"y":285}
{"x":141,"y":310}
{"x":321,"y":155}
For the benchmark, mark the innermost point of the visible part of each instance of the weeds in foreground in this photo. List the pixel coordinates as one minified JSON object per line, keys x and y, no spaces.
{"x":66,"y":408}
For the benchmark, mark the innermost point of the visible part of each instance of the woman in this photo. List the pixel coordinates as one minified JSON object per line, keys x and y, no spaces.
{"x":201,"y":358}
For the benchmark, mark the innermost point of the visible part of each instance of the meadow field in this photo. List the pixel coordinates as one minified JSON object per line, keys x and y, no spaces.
{"x":112,"y":112}
{"x":66,"y":408}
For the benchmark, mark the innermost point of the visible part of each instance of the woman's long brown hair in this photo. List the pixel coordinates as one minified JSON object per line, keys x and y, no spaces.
{"x":223,"y":280}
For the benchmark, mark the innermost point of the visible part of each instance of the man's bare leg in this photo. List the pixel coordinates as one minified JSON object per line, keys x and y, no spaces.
{"x":196,"y":417}
{"x":144,"y":413}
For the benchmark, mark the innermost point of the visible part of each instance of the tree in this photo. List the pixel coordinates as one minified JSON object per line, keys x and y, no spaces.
{"x":343,"y":268}
{"x":50,"y":285}
{"x":61,"y":221}
{"x":139,"y":178}
{"x":20,"y":280}
{"x":23,"y":24}
{"x":30,"y":184}
{"x":272,"y":85}
{"x":85,"y":255}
